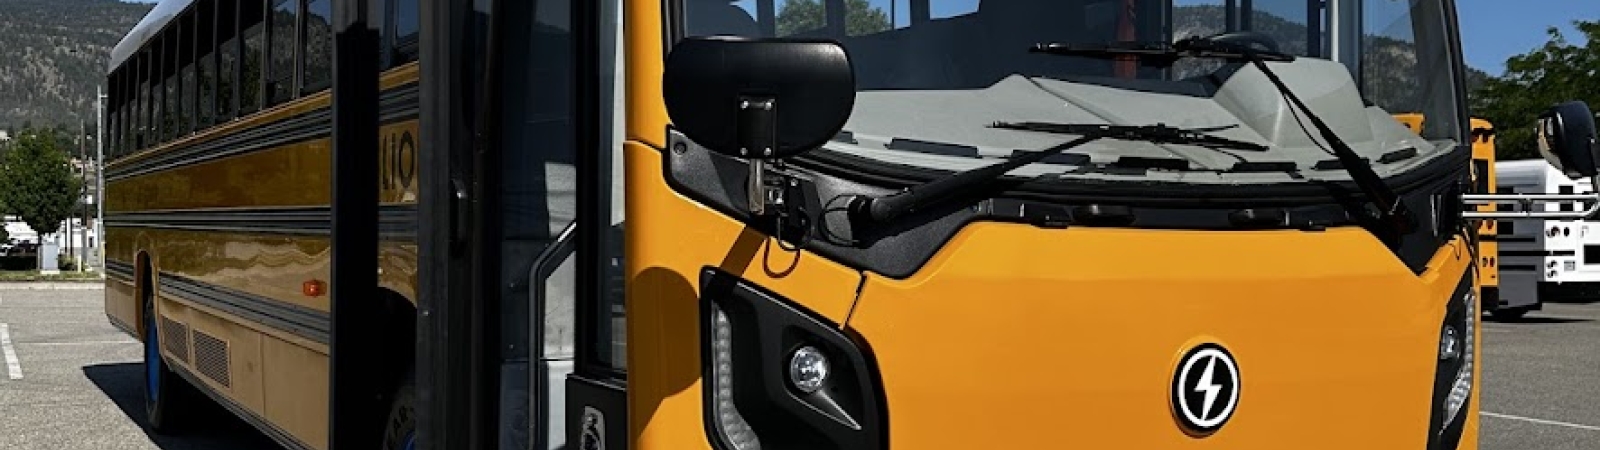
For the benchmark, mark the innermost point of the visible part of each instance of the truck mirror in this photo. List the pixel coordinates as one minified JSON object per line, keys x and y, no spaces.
{"x":758,"y":98}
{"x":1566,"y":137}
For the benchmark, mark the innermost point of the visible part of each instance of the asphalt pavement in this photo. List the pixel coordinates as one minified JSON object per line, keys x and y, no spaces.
{"x":69,"y":380}
{"x":72,"y":381}
{"x":1541,"y":379}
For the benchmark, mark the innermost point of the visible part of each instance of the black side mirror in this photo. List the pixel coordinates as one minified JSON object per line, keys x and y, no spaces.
{"x":758,"y":98}
{"x":1566,"y":135}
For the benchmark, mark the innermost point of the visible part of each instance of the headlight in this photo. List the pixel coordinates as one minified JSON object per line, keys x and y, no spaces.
{"x":1461,"y":388}
{"x":778,"y":377}
{"x":1454,"y":376}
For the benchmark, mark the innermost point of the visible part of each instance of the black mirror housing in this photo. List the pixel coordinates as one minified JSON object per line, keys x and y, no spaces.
{"x":1566,"y":137}
{"x":758,"y":98}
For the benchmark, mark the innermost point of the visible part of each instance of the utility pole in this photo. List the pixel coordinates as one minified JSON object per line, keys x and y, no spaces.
{"x":82,"y":256}
{"x":100,"y":179}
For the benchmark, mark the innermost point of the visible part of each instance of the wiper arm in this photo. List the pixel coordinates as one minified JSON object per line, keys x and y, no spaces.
{"x":1158,"y":133}
{"x":1392,"y":213}
{"x":886,"y":208}
{"x":1165,"y":53}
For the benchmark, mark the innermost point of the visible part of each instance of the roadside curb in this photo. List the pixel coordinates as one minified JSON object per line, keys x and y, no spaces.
{"x":52,"y":285}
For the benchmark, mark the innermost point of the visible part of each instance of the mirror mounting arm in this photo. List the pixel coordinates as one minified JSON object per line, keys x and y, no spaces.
{"x":757,"y":128}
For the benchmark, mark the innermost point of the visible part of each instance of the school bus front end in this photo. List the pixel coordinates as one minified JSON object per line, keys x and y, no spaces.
{"x":969,"y":226}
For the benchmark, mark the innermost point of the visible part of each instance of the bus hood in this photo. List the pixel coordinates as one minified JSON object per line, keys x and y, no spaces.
{"x":1020,"y":337}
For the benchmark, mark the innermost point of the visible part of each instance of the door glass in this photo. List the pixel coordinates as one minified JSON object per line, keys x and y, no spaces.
{"x":538,"y":180}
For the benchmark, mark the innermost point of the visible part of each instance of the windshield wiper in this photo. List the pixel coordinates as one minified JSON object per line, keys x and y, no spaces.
{"x":1392,"y":212}
{"x":1157,"y":134}
{"x":1163,"y":52}
{"x":886,"y":208}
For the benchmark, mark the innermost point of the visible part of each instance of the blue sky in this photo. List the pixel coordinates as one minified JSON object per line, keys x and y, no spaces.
{"x":1491,"y":30}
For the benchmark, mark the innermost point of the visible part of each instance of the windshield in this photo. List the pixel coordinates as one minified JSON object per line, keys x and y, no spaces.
{"x":933,"y":74}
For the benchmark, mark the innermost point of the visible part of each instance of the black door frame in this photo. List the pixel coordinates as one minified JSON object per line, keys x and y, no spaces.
{"x":354,"y":332}
{"x":450,"y":355}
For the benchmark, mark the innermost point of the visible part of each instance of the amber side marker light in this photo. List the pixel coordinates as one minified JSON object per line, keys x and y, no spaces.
{"x":313,"y":288}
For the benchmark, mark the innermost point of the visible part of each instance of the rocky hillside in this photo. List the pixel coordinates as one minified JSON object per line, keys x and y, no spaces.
{"x":53,"y":54}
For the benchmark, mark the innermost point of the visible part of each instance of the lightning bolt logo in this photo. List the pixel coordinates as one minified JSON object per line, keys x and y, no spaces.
{"x":1210,"y":388}
{"x":1207,"y":370}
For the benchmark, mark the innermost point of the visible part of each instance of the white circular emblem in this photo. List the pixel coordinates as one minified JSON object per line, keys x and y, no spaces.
{"x":1205,"y":388}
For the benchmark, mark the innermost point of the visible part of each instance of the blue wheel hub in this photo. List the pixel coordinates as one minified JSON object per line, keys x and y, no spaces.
{"x":152,"y":359}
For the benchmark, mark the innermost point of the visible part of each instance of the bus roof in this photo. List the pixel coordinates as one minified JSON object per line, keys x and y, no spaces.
{"x":152,"y":23}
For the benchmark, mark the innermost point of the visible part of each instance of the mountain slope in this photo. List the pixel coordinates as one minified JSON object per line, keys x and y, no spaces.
{"x":52,"y":55}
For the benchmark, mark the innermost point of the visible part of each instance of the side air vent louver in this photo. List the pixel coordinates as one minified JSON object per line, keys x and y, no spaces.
{"x":211,"y":358}
{"x":175,"y":337}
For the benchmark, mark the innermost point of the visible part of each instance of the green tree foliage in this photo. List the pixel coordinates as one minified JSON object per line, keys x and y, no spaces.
{"x":1555,"y":72}
{"x":798,"y":16}
{"x":38,"y":185}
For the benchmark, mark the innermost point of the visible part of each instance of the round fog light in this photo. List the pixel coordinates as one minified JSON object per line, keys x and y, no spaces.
{"x":808,"y":369}
{"x":1448,"y":343}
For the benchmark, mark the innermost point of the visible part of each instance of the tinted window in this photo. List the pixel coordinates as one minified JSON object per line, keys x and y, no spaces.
{"x":318,"y":45}
{"x":141,"y":107}
{"x":406,"y":26}
{"x":227,"y":60}
{"x":250,"y":19}
{"x":282,"y":51}
{"x":205,"y":66}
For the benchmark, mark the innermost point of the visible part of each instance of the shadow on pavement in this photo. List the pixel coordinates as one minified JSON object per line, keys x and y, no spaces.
{"x":215,"y":428}
{"x":1536,"y":319}
{"x":1586,"y":300}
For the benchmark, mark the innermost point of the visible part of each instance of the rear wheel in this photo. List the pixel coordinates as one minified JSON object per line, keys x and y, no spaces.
{"x":167,"y":398}
{"x":400,"y":431}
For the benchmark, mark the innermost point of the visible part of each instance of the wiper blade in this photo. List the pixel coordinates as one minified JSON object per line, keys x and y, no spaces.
{"x":1163,"y":52}
{"x":1392,"y":214}
{"x":881,"y":209}
{"x":1158,"y":133}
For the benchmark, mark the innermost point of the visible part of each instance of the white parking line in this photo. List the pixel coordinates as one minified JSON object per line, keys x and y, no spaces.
{"x":48,"y":344}
{"x":13,"y":367}
{"x":1541,"y":421}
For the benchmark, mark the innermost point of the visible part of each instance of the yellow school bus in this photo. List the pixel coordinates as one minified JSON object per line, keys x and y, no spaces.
{"x":1484,"y":182}
{"x":726,"y":225}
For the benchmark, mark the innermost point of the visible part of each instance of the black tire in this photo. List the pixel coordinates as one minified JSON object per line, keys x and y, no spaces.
{"x":168,"y":399}
{"x":401,"y":426}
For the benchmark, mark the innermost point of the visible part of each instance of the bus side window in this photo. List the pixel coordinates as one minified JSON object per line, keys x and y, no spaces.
{"x":1566,"y":206}
{"x":318,"y":46}
{"x":206,"y":65}
{"x":158,"y":93}
{"x":252,"y":21}
{"x":141,"y":107}
{"x":227,"y":60}
{"x":170,"y":84}
{"x":186,"y":80}
{"x":406,"y":29}
{"x":281,"y":49}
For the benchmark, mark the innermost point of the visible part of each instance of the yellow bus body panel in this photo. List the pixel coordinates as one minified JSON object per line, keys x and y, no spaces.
{"x":670,"y":239}
{"x":1020,"y":337}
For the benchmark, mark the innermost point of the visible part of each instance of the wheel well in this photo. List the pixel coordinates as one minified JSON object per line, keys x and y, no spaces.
{"x":398,"y":335}
{"x":144,"y":289}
